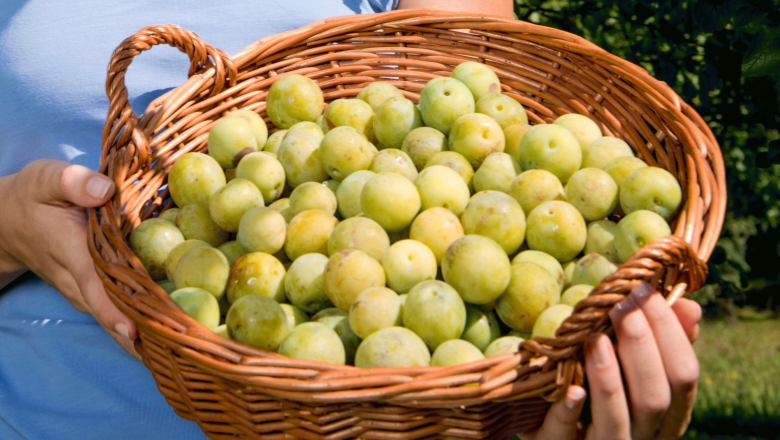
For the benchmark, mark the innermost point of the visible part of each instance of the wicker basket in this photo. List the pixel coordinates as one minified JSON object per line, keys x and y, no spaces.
{"x":234,"y":390}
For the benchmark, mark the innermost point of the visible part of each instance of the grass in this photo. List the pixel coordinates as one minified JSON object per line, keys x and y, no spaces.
{"x":739,"y":384}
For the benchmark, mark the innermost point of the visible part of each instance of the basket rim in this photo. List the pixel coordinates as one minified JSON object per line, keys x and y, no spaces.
{"x":492,"y":373}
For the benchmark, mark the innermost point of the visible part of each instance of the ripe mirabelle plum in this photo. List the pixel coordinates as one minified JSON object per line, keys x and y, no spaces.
{"x":477,"y":267}
{"x":257,"y":321}
{"x":256,"y":273}
{"x":195,"y":177}
{"x":313,"y":341}
{"x":531,"y":290}
{"x":394,"y":119}
{"x":152,"y":241}
{"x":292,"y":99}
{"x":550,"y":147}
{"x":374,"y":309}
{"x":392,"y":347}
{"x":304,"y":283}
{"x":479,"y":78}
{"x":435,"y":312}
{"x":199,"y":304}
{"x":582,"y":127}
{"x":443,"y":100}
{"x":422,"y":143}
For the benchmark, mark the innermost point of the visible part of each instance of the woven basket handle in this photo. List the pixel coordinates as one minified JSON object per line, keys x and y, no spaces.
{"x":121,"y":122}
{"x":669,"y":264}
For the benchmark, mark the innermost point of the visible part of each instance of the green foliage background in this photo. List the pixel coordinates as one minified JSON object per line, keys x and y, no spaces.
{"x":722,"y":57}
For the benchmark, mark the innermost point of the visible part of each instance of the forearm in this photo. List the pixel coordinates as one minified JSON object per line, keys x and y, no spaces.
{"x":490,"y":7}
{"x":10,"y":267}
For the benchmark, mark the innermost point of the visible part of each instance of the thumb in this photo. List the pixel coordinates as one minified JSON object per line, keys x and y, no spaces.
{"x":562,"y":417}
{"x":61,"y":181}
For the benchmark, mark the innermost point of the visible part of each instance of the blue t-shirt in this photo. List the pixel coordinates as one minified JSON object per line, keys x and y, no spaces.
{"x":61,"y":375}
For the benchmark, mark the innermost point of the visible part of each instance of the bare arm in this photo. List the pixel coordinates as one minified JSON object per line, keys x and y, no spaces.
{"x":491,"y":7}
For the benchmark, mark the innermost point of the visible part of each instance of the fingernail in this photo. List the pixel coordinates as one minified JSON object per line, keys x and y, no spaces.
{"x":599,"y":350}
{"x":622,"y":309}
{"x":122,"y":330}
{"x":642,"y":291}
{"x":574,"y":396}
{"x":97,"y":187}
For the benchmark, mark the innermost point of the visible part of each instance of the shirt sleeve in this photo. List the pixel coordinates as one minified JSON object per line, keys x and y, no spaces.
{"x":383,"y":5}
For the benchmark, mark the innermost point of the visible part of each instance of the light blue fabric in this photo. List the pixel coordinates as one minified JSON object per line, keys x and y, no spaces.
{"x":61,"y":376}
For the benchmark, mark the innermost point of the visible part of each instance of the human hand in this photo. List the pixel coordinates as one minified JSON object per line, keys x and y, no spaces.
{"x":659,"y":367}
{"x":43,"y":228}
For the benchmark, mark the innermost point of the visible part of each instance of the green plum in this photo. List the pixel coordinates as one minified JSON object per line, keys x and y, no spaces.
{"x":437,"y":228}
{"x":496,"y":173}
{"x":309,"y":232}
{"x":407,"y":263}
{"x":230,"y":139}
{"x":353,"y":113}
{"x":312,"y":195}
{"x":198,"y":304}
{"x":476,"y":136}
{"x":457,"y":162}
{"x":531,"y":290}
{"x":593,"y":192}
{"x":257,"y":321}
{"x":503,"y":109}
{"x":548,"y":322}
{"x":392,"y":347}
{"x":282,"y":206}
{"x":359,"y":233}
{"x":443,"y":100}
{"x":513,"y":135}
{"x":455,"y":352}
{"x":477,"y":267}
{"x":299,"y":155}
{"x":261,"y":229}
{"x":274,"y":142}
{"x":550,"y":147}
{"x":348,"y":273}
{"x":584,"y":129}
{"x":295,"y":316}
{"x":378,"y":92}
{"x":591,"y":269}
{"x":266,"y":172}
{"x":259,"y":127}
{"x":304,"y":283}
{"x":195,"y":222}
{"x":348,"y":194}
{"x":575,"y":294}
{"x":422,"y":143}
{"x":556,"y":228}
{"x":547,"y":261}
{"x":479,"y":78}
{"x":533,"y":187}
{"x":305,"y":127}
{"x":169,"y":215}
{"x":638,"y":229}
{"x":651,"y":189}
{"x":175,"y":255}
{"x":620,"y":167}
{"x":504,"y":345}
{"x":167,"y":286}
{"x":337,"y":320}
{"x":256,"y":273}
{"x":313,"y":341}
{"x":497,"y":216}
{"x":344,"y":151}
{"x":391,"y":200}
{"x":391,"y":160}
{"x":601,"y":239}
{"x":481,"y":327}
{"x":232,"y":201}
{"x":395,"y":118}
{"x":203,"y":267}
{"x":292,"y":99}
{"x":440,"y":186}
{"x":231,"y":250}
{"x":152,"y":241}
{"x":195,"y":177}
{"x":374,"y":309}
{"x":568,"y":272}
{"x":435,"y":312}
{"x":222,"y":330}
{"x":603,"y":150}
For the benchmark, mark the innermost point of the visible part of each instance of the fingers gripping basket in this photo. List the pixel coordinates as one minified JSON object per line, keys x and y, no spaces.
{"x":231,"y":389}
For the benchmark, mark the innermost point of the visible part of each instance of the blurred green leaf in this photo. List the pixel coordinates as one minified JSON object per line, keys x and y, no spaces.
{"x":763,"y":53}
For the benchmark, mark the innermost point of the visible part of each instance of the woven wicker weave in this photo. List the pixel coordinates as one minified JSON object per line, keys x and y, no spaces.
{"x":231,"y":389}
